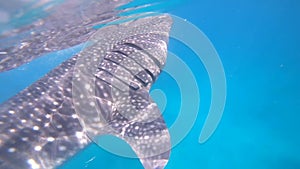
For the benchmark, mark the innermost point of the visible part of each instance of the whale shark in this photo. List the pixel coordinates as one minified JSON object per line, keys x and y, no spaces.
{"x":104,"y":89}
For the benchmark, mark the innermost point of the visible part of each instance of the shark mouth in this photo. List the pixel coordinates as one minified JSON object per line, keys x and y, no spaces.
{"x":102,"y":90}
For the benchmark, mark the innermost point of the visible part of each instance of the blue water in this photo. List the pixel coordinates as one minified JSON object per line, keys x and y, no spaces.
{"x":16,"y":80}
{"x":258,"y":43}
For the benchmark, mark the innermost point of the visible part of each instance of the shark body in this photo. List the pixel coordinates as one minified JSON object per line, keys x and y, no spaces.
{"x":102,"y":90}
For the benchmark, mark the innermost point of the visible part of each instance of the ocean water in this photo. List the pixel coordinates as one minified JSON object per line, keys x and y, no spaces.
{"x":258,"y":43}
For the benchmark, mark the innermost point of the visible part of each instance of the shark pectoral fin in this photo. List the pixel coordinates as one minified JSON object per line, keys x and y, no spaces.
{"x":149,"y":139}
{"x":111,"y":86}
{"x":137,"y":120}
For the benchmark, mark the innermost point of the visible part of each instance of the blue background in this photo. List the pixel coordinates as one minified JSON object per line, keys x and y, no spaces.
{"x":258,"y":43}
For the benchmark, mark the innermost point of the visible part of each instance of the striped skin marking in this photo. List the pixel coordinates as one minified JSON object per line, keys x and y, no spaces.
{"x":128,"y":63}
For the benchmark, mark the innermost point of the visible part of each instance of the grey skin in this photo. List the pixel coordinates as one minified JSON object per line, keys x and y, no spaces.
{"x":102,"y":90}
{"x":56,"y":25}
